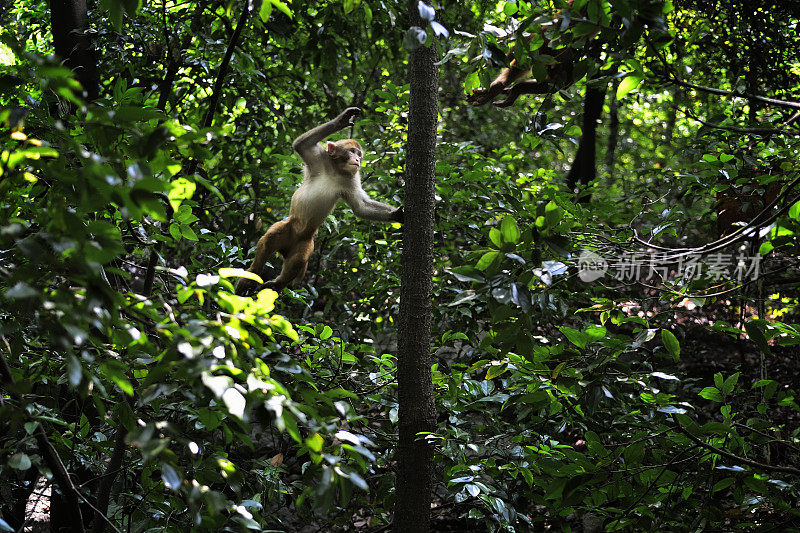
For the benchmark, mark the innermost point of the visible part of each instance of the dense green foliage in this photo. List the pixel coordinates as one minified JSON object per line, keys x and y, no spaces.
{"x":560,"y":401}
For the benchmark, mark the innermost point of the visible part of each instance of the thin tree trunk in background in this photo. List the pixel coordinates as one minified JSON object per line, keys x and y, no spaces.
{"x":672,"y":116}
{"x":415,"y":389}
{"x":613,"y":131}
{"x":208,"y":119}
{"x":584,"y":168}
{"x":68,"y":22}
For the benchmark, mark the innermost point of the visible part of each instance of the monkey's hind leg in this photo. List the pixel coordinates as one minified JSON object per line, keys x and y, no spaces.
{"x":277,"y":238}
{"x":294,"y":264}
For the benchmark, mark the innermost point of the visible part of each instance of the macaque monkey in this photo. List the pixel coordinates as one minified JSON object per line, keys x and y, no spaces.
{"x":559,"y":73}
{"x":330,"y":174}
{"x":559,"y":76}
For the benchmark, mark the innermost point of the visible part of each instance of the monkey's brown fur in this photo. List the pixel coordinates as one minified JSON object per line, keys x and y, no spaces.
{"x":330,"y":174}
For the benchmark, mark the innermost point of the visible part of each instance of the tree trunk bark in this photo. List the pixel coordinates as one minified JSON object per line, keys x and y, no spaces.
{"x":415,"y":388}
{"x":68,"y":22}
{"x":584,"y":169}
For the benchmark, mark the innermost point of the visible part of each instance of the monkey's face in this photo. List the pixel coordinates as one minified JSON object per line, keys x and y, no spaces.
{"x":346,"y":155}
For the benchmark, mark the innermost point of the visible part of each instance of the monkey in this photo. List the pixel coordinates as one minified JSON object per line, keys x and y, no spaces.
{"x":559,"y":76}
{"x":330,"y":174}
{"x":559,"y":73}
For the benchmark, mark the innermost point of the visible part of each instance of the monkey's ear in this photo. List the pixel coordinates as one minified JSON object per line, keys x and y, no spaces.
{"x":330,"y":147}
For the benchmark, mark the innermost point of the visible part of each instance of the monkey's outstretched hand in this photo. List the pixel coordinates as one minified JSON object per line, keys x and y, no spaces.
{"x":345,"y":119}
{"x":398,"y":215}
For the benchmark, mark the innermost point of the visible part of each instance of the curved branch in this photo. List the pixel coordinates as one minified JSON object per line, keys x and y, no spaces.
{"x":735,"y":94}
{"x":734,"y":457}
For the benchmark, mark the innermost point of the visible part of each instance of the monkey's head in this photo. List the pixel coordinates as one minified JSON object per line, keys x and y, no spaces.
{"x":346,"y":155}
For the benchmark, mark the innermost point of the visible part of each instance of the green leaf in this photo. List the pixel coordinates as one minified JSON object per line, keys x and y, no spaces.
{"x":671,"y":343}
{"x":265,"y":11}
{"x":131,"y":6}
{"x":723,"y":484}
{"x":496,"y":237}
{"x":326,"y":333}
{"x":125,"y":415}
{"x":349,"y":6}
{"x":367,"y":13}
{"x":486,"y":260}
{"x":179,"y":190}
{"x":210,"y":419}
{"x":757,"y":336}
{"x":594,"y":333}
{"x":496,"y":370}
{"x":794,"y":211}
{"x":114,"y":9}
{"x":471,"y":82}
{"x":239,"y":273}
{"x":628,"y":84}
{"x":634,"y":453}
{"x":730,"y":383}
{"x":315,"y":442}
{"x":282,"y":7}
{"x":711,"y":393}
{"x":19,"y":461}
{"x":188,"y":233}
{"x":509,"y":230}
{"x":175,"y":231}
{"x":574,"y":336}
{"x":290,"y":424}
{"x":115,"y":370}
{"x":552,"y":214}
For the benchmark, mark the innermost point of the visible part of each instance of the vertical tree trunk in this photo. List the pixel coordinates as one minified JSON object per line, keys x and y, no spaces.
{"x":583,"y":169}
{"x":68,"y":22}
{"x":613,"y":131}
{"x":415,"y":389}
{"x":672,"y":115}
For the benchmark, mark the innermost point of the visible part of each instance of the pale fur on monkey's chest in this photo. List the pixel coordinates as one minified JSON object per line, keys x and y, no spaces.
{"x":317,"y":196}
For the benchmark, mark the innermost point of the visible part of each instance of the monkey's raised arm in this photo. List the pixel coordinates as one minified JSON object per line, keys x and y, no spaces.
{"x":307,"y":145}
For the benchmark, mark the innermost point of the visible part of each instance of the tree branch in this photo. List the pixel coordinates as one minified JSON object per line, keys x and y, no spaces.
{"x":745,"y":131}
{"x":735,"y":94}
{"x":733,"y":457}
{"x":108,"y":478}
{"x":49,"y":454}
